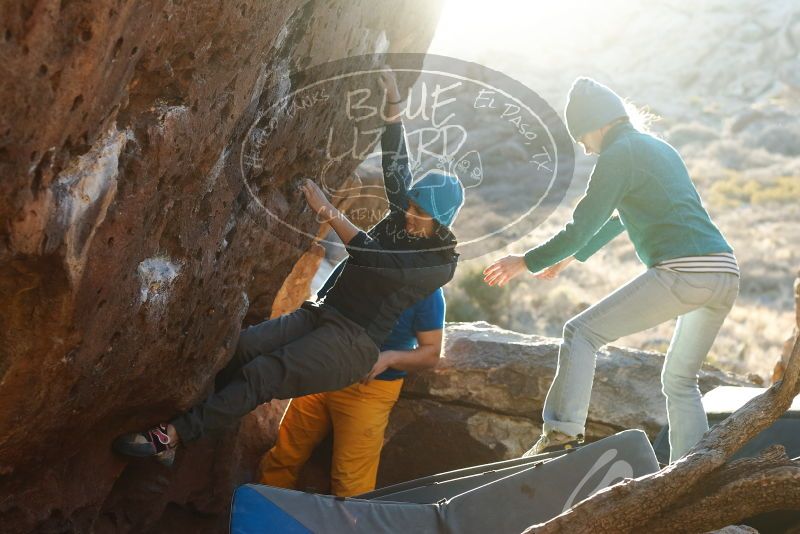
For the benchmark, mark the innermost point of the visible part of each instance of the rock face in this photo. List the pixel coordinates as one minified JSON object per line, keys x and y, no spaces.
{"x":483,"y":402}
{"x":130,"y":252}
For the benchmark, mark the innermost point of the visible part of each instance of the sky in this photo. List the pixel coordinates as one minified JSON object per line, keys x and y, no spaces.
{"x":477,"y":30}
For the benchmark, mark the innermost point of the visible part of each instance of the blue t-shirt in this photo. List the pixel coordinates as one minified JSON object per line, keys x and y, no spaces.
{"x":425,"y":315}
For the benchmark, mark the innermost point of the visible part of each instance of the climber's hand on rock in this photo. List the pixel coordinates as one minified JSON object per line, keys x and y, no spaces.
{"x":318,"y":202}
{"x":388,"y":82}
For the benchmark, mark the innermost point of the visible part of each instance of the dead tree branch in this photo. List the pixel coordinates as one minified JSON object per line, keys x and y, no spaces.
{"x":627,"y":506}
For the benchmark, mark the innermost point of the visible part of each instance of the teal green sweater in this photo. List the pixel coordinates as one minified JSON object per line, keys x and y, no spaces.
{"x":645,"y":180}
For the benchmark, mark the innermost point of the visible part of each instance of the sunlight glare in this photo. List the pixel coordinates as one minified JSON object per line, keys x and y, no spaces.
{"x":477,"y":29}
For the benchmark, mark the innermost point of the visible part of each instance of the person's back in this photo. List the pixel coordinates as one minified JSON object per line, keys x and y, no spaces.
{"x":661,"y":209}
{"x":384,"y":292}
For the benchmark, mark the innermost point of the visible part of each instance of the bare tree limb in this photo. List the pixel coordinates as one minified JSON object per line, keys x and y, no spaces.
{"x":780,"y":365}
{"x":770,"y":458}
{"x":718,"y":500}
{"x":765,"y":491}
{"x":626,"y":506}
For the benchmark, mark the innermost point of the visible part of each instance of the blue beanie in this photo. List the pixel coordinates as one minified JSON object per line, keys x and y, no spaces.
{"x":591,"y":105}
{"x":440,"y":195}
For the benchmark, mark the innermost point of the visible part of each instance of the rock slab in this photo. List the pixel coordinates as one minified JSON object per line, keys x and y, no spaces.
{"x":483,"y":402}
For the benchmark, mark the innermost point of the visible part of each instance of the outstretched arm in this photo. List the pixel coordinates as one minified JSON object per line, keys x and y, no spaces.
{"x":608,"y":184}
{"x":611,"y":229}
{"x":394,"y":160}
{"x":368,"y":252}
{"x":327,"y":212}
{"x":595,"y":208}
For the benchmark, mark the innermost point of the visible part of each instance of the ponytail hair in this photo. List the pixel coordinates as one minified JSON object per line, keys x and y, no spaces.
{"x":640,"y":117}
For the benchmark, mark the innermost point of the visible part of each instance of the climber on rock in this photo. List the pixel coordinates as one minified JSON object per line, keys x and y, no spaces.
{"x":333,"y":343}
{"x":357,"y":415}
{"x":691,"y":273}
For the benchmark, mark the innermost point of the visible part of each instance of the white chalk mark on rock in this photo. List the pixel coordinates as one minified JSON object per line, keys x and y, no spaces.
{"x":83,"y":192}
{"x":228,"y":227}
{"x":170,"y":116}
{"x":156,"y":276}
{"x":211,"y":179}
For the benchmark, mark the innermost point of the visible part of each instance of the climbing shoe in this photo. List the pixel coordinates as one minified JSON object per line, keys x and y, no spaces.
{"x":154,"y":442}
{"x":552,"y":442}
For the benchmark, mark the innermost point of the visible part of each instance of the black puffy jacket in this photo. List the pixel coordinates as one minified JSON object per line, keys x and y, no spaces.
{"x":388,"y":270}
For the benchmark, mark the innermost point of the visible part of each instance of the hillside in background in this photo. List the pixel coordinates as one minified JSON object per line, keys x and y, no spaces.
{"x":724,"y":79}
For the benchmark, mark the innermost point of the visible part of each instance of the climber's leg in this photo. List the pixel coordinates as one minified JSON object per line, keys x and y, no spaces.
{"x":694,"y":334}
{"x":304,"y":425}
{"x":334,"y":355}
{"x":265,"y":337}
{"x":642,"y":303}
{"x":359,"y":414}
{"x":260,"y":339}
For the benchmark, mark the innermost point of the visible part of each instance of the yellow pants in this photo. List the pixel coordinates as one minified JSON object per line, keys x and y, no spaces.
{"x":358,"y":415}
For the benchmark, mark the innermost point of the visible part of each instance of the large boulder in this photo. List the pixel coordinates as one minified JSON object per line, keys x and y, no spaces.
{"x":130,"y":249}
{"x":483,"y":402}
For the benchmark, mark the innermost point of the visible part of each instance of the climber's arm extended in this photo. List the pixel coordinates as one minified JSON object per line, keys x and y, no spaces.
{"x":394,"y":155}
{"x":368,"y":252}
{"x":327,"y":212}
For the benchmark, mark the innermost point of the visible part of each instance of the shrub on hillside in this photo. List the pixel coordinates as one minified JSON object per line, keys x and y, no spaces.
{"x":735,"y":190}
{"x":470,"y":299}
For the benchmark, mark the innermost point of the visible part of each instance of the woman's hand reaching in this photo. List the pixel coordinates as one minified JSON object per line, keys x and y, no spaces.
{"x":503,"y":270}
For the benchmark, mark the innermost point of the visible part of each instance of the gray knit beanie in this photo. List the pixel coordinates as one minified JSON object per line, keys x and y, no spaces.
{"x":591,"y":105}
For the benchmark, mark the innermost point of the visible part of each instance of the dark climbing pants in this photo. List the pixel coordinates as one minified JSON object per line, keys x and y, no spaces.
{"x":310,"y":350}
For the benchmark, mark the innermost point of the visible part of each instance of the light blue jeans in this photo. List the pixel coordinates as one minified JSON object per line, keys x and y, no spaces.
{"x":701,"y":301}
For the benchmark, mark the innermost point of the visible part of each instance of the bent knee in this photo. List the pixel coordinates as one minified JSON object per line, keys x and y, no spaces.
{"x":675,"y":385}
{"x":573,"y":326}
{"x":247,"y":342}
{"x":582,"y":328}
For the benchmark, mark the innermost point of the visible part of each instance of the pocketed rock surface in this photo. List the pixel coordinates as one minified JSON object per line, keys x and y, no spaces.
{"x":129,"y":242}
